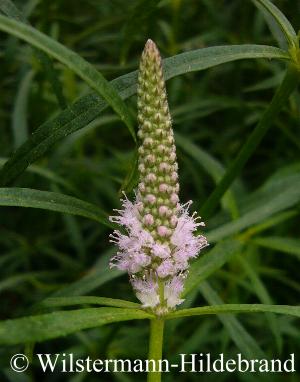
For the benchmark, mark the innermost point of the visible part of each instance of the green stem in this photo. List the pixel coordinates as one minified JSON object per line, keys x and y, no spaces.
{"x":287,"y":86}
{"x":155,"y":347}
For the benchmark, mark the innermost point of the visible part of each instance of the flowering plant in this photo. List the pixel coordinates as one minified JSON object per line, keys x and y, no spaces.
{"x":157,"y":236}
{"x":160,"y":238}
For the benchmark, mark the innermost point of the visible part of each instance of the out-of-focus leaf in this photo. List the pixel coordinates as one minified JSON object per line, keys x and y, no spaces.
{"x":19,"y":116}
{"x":15,"y":280}
{"x":97,"y":276}
{"x":47,"y":174}
{"x":279,"y":18}
{"x":264,"y":297}
{"x":271,"y":199}
{"x":267,"y":83}
{"x":240,"y":336}
{"x":137,"y":16}
{"x":9,"y":9}
{"x":279,"y":99}
{"x":282,"y":244}
{"x":270,"y":222}
{"x":210,"y":262}
{"x":211,"y":166}
{"x":72,"y":60}
{"x":131,"y":179}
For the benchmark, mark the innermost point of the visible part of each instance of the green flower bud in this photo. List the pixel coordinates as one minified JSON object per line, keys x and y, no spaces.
{"x":157,"y":155}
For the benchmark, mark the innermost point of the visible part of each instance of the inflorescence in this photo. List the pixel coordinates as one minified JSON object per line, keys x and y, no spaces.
{"x":160,"y":234}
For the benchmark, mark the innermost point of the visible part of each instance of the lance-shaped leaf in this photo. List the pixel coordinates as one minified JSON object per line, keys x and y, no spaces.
{"x":57,"y":324}
{"x":237,"y":308}
{"x":267,"y":7}
{"x":53,"y":201}
{"x":55,"y":302}
{"x":269,"y":200}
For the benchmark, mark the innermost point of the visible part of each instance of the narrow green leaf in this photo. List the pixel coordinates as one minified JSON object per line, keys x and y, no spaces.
{"x":90,"y":282}
{"x":205,"y":58}
{"x":236,"y":308}
{"x":54,"y":302}
{"x":47,"y":326}
{"x":73,"y":230}
{"x":270,"y":222}
{"x":240,"y":336}
{"x":67,"y":145}
{"x":26,"y":197}
{"x":15,"y":280}
{"x":98,"y":275}
{"x":211,"y":166}
{"x":135,"y":19}
{"x":287,"y":86}
{"x":208,"y":263}
{"x":19,"y":116}
{"x":89,"y":107}
{"x":72,"y":60}
{"x":47,"y":174}
{"x":271,"y":199}
{"x":283,"y":244}
{"x":264,"y":297}
{"x":52,"y":76}
{"x":275,"y":29}
{"x":280,"y":19}
{"x":9,"y":9}
{"x":131,"y":179}
{"x":271,"y":82}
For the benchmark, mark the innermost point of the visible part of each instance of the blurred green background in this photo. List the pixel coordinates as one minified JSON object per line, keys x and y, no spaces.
{"x":45,"y":253}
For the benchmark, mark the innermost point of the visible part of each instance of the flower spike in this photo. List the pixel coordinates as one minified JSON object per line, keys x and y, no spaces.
{"x":160,"y":234}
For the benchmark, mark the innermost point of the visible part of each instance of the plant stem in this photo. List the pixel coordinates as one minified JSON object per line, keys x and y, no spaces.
{"x":287,"y":86}
{"x":155,"y":347}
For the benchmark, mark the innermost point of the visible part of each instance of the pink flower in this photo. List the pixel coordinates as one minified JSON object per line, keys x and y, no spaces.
{"x":166,"y":268}
{"x":161,"y":250}
{"x":139,"y":248}
{"x":173,"y":289}
{"x":147,"y":291}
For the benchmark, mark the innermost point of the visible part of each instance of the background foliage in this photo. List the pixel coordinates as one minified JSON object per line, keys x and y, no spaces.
{"x":44,"y":253}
